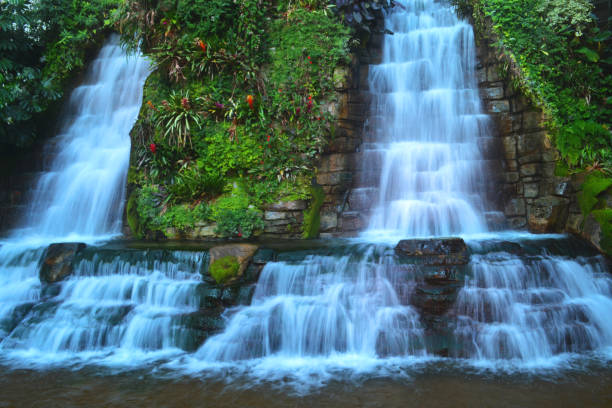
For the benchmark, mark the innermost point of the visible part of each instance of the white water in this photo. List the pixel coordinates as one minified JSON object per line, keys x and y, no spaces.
{"x":357,"y":304}
{"x":328,"y":313}
{"x":319,"y":317}
{"x":527,"y":310}
{"x":120,"y":309}
{"x":82,"y":195}
{"x":427,"y":124}
{"x":80,"y":198}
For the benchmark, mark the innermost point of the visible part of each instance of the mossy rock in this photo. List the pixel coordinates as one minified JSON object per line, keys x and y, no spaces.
{"x":224,"y":269}
{"x":312,"y":216}
{"x":133,"y":219}
{"x":240,"y":254}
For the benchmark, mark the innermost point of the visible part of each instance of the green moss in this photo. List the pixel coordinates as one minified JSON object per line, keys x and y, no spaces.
{"x":593,"y":186}
{"x":132,"y":215}
{"x":604,"y":218}
{"x":223,"y":269}
{"x":312,"y":216}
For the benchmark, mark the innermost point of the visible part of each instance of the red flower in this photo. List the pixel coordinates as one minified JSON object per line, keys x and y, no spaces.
{"x":202,"y":45}
{"x":239,"y":234}
{"x":249,"y":100}
{"x":150,"y":104}
{"x":153,"y":148}
{"x":185,"y":103}
{"x":268,"y":138}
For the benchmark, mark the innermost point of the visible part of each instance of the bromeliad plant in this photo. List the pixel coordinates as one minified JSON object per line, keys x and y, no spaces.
{"x":176,"y":117}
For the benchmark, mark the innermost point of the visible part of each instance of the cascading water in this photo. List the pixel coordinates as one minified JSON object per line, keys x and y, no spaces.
{"x":530,"y":309}
{"x":355,"y":304}
{"x":82,"y":194}
{"x":426,"y":127}
{"x":348,"y":307}
{"x":120,"y":306}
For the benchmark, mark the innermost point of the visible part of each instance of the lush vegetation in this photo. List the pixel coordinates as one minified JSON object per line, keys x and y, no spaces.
{"x":563,"y":63}
{"x":43,"y":43}
{"x":237,"y":111}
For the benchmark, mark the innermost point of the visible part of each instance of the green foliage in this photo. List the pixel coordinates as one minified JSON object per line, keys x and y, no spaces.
{"x":312,"y":216}
{"x":133,"y":218}
{"x":42,"y":44}
{"x":259,"y":77}
{"x":235,"y":215}
{"x":224,"y":269}
{"x":155,"y":216}
{"x":604,"y":219}
{"x":563,"y":64}
{"x":238,"y":222}
{"x":594,"y":184}
{"x":175,"y":118}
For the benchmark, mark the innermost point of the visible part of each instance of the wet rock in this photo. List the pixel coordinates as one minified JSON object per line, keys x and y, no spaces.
{"x":242,"y":253}
{"x":57,"y":261}
{"x":548,"y":214}
{"x":263,"y":256}
{"x":441,"y":277}
{"x":329,"y":221}
{"x":436,"y":251}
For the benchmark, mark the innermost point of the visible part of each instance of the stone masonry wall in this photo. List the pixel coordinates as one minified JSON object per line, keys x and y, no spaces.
{"x":530,"y":193}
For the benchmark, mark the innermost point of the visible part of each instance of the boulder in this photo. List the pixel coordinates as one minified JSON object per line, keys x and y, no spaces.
{"x":241,"y":253}
{"x":435,"y":251}
{"x":57,"y":261}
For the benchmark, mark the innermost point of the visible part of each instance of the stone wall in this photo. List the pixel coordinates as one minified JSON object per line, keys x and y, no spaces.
{"x":339,"y":167}
{"x":531,"y":195}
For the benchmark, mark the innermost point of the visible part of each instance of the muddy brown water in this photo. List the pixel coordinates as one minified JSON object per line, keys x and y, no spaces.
{"x":432,"y":388}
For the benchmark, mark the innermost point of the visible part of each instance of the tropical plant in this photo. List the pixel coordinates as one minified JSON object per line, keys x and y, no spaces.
{"x":176,"y":117}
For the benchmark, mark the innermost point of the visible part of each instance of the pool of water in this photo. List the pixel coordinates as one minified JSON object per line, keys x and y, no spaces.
{"x":436,"y":385}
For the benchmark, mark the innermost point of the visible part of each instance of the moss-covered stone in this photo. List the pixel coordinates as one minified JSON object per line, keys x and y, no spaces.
{"x":224,"y":269}
{"x":312,"y":216}
{"x":133,"y":219}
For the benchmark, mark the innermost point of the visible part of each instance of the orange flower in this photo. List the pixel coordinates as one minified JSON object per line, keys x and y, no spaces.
{"x":202,"y":45}
{"x":150,"y":104}
{"x":249,"y":100}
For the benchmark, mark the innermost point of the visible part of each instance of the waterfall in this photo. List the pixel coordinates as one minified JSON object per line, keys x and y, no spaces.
{"x":529,"y":310}
{"x":426,"y":125}
{"x":348,"y":306}
{"x":81,"y":196}
{"x":117,"y":306}
{"x":363,"y":306}
{"x":355,"y":303}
